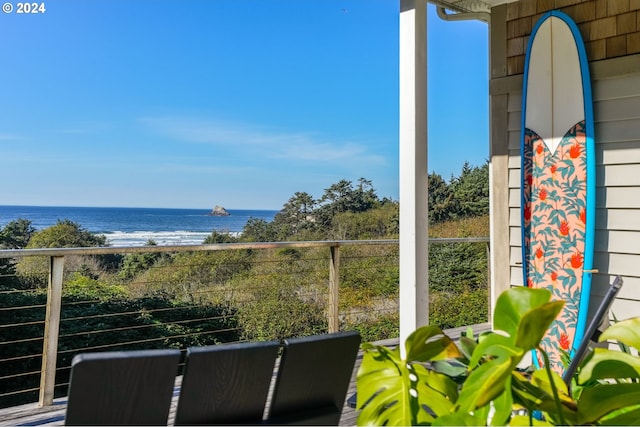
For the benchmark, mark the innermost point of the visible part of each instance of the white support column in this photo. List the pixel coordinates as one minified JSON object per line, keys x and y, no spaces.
{"x":414,"y":251}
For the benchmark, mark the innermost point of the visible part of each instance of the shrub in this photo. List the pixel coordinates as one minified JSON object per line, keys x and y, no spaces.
{"x":82,"y":287}
{"x":190,"y":276}
{"x":459,"y":308}
{"x":277,"y":312}
{"x":386,"y":326}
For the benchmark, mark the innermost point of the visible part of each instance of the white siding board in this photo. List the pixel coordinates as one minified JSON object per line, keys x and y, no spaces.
{"x":514,"y":161}
{"x":514,"y":158}
{"x":514,"y":139}
{"x":629,"y":290}
{"x":618,"y":197}
{"x":515,"y":256}
{"x":623,"y":242}
{"x":617,"y":109}
{"x":618,"y":219}
{"x":514,"y":121}
{"x":614,"y":153}
{"x":625,"y":130}
{"x":514,"y":178}
{"x":514,"y":103}
{"x":618,"y":175}
{"x":625,"y":308}
{"x":621,"y":309}
{"x":514,"y":217}
{"x":614,"y":88}
{"x":515,"y":236}
{"x":514,"y":197}
{"x":516,"y":276}
{"x":622,"y":264}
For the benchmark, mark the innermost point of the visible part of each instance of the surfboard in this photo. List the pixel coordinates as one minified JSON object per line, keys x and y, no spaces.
{"x":558,"y":178}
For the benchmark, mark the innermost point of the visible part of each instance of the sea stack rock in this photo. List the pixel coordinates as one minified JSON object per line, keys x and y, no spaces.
{"x":219,"y":211}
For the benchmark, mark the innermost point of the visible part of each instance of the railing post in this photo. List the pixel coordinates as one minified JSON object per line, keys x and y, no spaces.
{"x":51,"y":331}
{"x":334,"y":286}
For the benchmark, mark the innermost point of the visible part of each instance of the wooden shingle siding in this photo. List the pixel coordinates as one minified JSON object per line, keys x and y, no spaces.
{"x":610,"y":28}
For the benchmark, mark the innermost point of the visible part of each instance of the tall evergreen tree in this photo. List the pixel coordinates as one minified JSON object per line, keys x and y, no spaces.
{"x":297,"y":214}
{"x":471,"y":191}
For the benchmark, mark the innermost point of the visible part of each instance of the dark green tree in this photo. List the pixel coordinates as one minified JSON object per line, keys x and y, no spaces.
{"x":297,"y":215}
{"x":471,"y":191}
{"x":259,"y":230}
{"x":65,"y":234}
{"x":33,"y":271}
{"x":16,"y":234}
{"x":441,"y":204}
{"x":343,"y":197}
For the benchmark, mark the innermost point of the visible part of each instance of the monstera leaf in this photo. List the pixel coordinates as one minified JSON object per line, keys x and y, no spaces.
{"x":610,"y":404}
{"x":626,"y":331}
{"x":525,"y":315}
{"x":394,"y":391}
{"x":430,"y":343}
{"x":608,"y":364}
{"x":616,"y":399}
{"x":490,"y":379}
{"x":513,"y":304}
{"x":605,"y":364}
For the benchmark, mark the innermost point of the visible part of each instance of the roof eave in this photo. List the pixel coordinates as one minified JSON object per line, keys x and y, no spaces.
{"x":469,"y":6}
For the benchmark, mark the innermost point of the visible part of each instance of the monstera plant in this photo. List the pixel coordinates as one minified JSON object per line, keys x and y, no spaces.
{"x":482,"y":382}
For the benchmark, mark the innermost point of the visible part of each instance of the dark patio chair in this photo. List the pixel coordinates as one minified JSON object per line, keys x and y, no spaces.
{"x":122,"y":388}
{"x":593,"y":330}
{"x":226,"y":384}
{"x":313,"y":379}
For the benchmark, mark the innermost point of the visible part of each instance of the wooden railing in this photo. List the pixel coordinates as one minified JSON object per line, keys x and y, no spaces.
{"x":57,"y":273}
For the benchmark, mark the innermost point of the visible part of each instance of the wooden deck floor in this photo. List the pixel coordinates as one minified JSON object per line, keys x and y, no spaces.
{"x":33,"y":415}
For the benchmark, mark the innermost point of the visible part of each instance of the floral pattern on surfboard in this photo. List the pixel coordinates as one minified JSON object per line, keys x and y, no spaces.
{"x":554,"y":213}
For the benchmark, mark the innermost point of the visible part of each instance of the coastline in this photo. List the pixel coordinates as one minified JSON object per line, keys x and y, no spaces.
{"x":135,"y":226}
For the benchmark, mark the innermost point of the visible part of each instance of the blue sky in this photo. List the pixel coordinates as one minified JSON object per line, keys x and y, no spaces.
{"x":193,"y":103}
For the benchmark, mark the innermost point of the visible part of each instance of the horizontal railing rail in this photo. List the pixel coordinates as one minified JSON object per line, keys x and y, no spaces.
{"x":106,"y":250}
{"x":201,"y":304}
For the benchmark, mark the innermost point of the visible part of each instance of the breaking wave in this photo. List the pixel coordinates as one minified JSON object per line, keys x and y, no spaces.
{"x":162,"y":238}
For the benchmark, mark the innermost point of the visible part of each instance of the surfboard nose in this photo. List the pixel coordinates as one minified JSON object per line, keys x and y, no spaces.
{"x":556,"y":101}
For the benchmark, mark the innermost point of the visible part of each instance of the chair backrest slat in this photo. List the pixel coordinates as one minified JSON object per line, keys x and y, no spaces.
{"x":313,"y":379}
{"x":122,"y":388}
{"x":226,"y":384}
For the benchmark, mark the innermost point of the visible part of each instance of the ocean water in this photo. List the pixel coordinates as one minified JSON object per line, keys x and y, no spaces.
{"x":135,"y":226}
